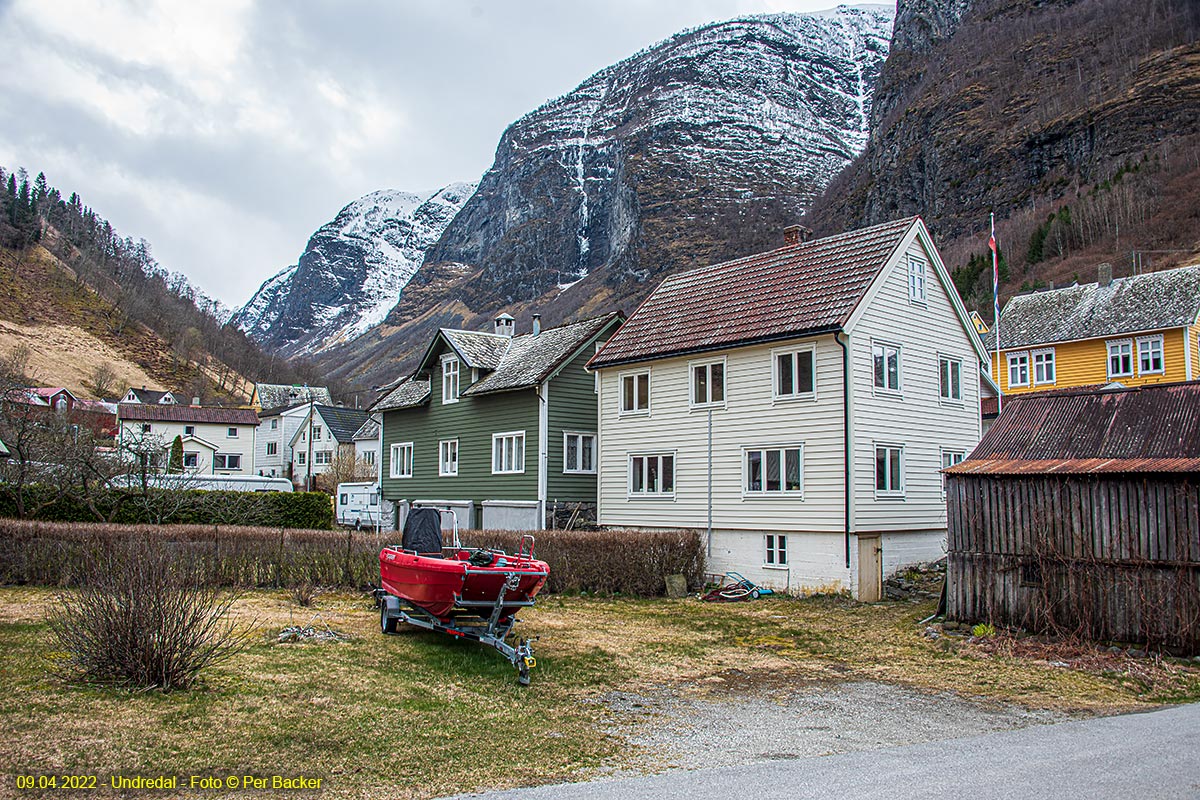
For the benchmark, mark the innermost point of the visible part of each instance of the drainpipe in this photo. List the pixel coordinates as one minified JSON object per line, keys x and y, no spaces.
{"x":845,"y":436}
{"x":710,"y":484}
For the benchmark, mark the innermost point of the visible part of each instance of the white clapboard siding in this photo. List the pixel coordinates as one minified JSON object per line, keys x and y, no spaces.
{"x":917,"y":419}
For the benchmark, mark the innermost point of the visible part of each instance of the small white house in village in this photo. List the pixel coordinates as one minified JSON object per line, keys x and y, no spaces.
{"x":323,"y":432}
{"x":796,"y":405}
{"x":366,"y":443}
{"x":273,"y":451}
{"x":217,"y":441}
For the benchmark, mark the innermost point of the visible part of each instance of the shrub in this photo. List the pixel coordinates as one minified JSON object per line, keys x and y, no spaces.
{"x":144,"y":618}
{"x":608,"y":561}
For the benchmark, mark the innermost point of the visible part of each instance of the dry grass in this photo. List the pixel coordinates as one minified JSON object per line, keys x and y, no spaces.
{"x":381,"y":716}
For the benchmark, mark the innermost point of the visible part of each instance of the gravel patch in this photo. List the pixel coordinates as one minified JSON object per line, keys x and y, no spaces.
{"x":688,"y":732}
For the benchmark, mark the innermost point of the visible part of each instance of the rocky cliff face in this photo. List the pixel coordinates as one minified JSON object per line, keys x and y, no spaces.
{"x":351,"y":273}
{"x":698,"y":149}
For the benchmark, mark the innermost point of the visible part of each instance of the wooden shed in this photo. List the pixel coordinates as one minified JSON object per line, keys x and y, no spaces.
{"x":1079,"y":513}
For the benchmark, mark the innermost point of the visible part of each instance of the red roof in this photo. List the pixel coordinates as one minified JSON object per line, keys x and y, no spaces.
{"x":796,"y":290}
{"x":1143,"y":429}
{"x":157,"y":413}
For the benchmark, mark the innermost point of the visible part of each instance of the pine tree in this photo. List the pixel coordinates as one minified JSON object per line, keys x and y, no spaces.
{"x":176,"y":462}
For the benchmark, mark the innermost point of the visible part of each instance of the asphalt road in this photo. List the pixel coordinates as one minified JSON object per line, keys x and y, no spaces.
{"x":1154,"y":754}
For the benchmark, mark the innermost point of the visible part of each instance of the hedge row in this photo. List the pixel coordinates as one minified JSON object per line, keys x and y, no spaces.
{"x":183,"y":507}
{"x":601,"y":562}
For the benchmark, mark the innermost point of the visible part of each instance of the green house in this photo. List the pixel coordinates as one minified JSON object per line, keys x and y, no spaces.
{"x":496,"y":427}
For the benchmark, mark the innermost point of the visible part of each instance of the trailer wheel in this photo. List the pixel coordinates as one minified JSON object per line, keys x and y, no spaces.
{"x":387,"y":623}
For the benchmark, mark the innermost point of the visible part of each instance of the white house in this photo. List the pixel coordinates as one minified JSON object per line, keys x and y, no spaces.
{"x":149,"y":397}
{"x":323,"y":432}
{"x":367,"y":443}
{"x":216,"y":441}
{"x":797,"y":406}
{"x":273,"y":450}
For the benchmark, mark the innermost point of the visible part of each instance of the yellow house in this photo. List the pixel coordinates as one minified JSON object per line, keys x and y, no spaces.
{"x":1138,"y":330}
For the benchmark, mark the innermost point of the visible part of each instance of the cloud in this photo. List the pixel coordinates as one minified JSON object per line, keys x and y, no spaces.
{"x":226,"y":131}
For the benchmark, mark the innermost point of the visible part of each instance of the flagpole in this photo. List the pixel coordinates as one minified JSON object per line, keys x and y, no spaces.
{"x":996,"y":310}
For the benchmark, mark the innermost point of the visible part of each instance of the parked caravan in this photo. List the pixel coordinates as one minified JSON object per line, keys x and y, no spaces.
{"x":358,"y":505}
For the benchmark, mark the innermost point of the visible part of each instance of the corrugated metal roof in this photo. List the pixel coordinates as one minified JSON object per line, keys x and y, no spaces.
{"x":795,"y":290}
{"x":1141,"y":429}
{"x":157,"y":413}
{"x":1157,"y":300}
{"x":409,"y":393}
{"x":531,"y":359}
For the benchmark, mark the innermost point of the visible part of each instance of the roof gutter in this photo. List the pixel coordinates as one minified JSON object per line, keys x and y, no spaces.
{"x":779,"y":337}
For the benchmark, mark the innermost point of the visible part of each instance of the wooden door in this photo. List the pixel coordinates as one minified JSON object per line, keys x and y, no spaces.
{"x":870,"y":569}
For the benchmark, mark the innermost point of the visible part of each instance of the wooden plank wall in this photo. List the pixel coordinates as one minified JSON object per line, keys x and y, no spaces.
{"x":1114,"y":557}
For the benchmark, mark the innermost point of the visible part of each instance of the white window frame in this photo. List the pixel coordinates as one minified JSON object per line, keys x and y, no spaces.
{"x":707,"y":366}
{"x":300,"y":458}
{"x":226,"y":457}
{"x":1012,"y":360}
{"x":775,"y":554}
{"x":632,"y":375}
{"x":231,"y":433}
{"x":794,"y":352}
{"x":322,"y":458}
{"x":368,"y":457}
{"x":448,"y":458}
{"x":918,"y":281}
{"x":569,"y":469}
{"x":189,"y":430}
{"x":317,"y":433}
{"x":272,"y":448}
{"x":1033,"y":366}
{"x":1162,"y":361}
{"x":629,"y":462}
{"x":499,"y":438}
{"x":275,"y":424}
{"x":885,"y":347}
{"x":889,"y":492}
{"x":402,"y":457}
{"x":450,"y":378}
{"x":951,"y":393}
{"x":193,"y":456}
{"x":1117,"y":344}
{"x":949,"y":459}
{"x":764,"y":491}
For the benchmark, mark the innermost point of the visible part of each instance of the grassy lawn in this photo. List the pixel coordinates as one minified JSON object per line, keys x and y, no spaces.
{"x":420,"y":715}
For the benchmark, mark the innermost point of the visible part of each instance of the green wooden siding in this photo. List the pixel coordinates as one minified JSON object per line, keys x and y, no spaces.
{"x":572,"y":408}
{"x":472,"y":420}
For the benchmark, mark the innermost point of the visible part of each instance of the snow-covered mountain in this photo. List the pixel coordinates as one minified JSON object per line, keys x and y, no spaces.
{"x":352,"y":271}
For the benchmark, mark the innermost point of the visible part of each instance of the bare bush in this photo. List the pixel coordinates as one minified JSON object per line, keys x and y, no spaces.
{"x":145,"y":618}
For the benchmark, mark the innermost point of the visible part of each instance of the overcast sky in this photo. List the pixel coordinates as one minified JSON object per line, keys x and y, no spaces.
{"x":225,"y":132}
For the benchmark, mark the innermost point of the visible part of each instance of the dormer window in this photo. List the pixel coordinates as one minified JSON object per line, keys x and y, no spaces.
{"x":449,"y":379}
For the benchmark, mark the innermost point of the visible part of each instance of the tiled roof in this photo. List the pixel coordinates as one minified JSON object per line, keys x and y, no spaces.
{"x":282,"y":395}
{"x":1168,"y":299}
{"x":156,"y":413}
{"x":531,"y":359}
{"x":342,"y":422}
{"x":409,"y":393}
{"x":799,"y":289}
{"x":1143,"y":429}
{"x":478,"y":350}
{"x":368,"y":430}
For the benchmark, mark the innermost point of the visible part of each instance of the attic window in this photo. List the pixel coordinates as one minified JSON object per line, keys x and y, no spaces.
{"x":449,"y":379}
{"x":916,"y":280}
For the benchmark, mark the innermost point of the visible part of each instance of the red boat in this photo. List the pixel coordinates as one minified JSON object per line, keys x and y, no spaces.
{"x":470,"y":593}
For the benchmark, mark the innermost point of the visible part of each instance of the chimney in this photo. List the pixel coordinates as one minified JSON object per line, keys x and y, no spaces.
{"x":1105,"y":273}
{"x":537,"y":324}
{"x":796,"y":234}
{"x":505,"y":325}
{"x":195,"y":401}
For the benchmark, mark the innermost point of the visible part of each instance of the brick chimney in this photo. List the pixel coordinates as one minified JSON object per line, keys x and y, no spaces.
{"x":796,"y":234}
{"x":1104,"y":273}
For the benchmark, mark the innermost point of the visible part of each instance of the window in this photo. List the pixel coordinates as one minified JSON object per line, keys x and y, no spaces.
{"x":1018,"y":369}
{"x":776,"y":550}
{"x":274,"y":424}
{"x":402,"y":460}
{"x":145,"y":427}
{"x":368,"y":456}
{"x":950,"y":378}
{"x":708,"y":384}
{"x":191,"y":460}
{"x":949,"y":459}
{"x":322,"y":457}
{"x":316,"y":433}
{"x":448,"y":457}
{"x":231,"y":433}
{"x":635,"y":393}
{"x":887,"y":367}
{"x":374,"y":501}
{"x":189,"y":430}
{"x":1043,"y":366}
{"x":508,"y":452}
{"x":449,"y":379}
{"x":272,"y":448}
{"x":652,"y":475}
{"x":227,"y":461}
{"x":794,"y":374}
{"x":300,"y":458}
{"x":889,"y":479}
{"x":342,"y":499}
{"x":773,"y":470}
{"x":1120,"y":359}
{"x":916,"y":280}
{"x":579,"y":452}
{"x":1150,"y":355}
